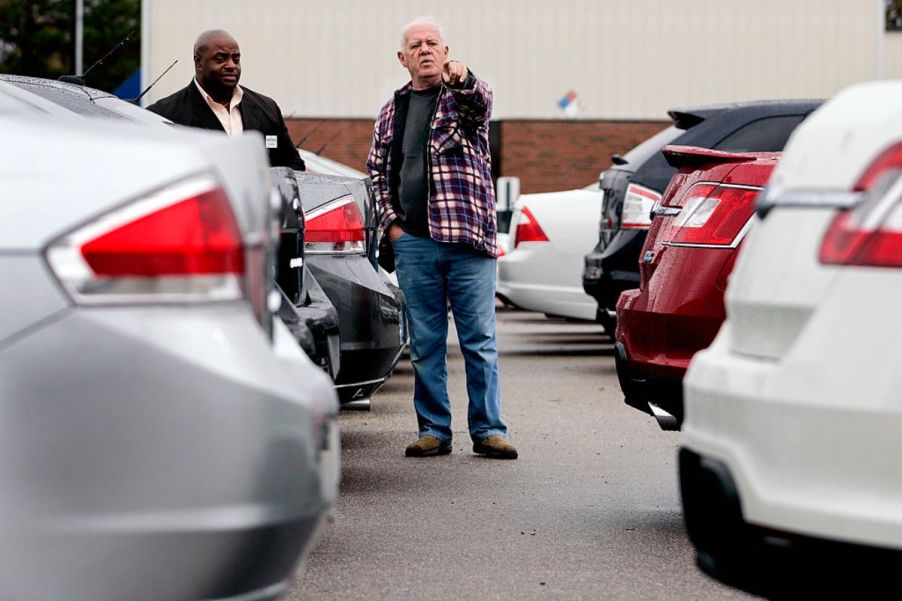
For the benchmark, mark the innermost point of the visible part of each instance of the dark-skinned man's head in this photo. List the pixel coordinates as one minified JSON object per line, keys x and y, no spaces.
{"x":217,"y":63}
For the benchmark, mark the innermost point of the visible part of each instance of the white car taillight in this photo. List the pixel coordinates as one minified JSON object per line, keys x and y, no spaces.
{"x":712,"y":216}
{"x":528,"y":229}
{"x":870,"y":234}
{"x":335,"y":228}
{"x":637,"y":206}
{"x":178,"y":244}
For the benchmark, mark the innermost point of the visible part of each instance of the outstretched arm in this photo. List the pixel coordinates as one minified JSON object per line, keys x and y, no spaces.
{"x":474,"y":97}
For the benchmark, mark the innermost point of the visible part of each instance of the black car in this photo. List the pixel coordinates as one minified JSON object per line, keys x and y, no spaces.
{"x":305,"y":308}
{"x":340,"y":253}
{"x":636,"y":181}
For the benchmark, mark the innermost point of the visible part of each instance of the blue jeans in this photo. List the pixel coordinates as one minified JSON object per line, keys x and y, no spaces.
{"x":432,"y":275}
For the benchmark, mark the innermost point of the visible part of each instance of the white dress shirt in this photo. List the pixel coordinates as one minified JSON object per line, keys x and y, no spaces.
{"x":229,"y":117}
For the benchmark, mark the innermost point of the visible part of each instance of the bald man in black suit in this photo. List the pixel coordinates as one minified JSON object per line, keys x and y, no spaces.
{"x":214,"y":100}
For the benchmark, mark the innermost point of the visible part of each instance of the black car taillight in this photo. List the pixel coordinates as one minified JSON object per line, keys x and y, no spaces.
{"x":637,"y":206}
{"x":335,"y":228}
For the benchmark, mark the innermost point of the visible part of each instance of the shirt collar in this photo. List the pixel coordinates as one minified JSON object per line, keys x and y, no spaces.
{"x":237,"y":95}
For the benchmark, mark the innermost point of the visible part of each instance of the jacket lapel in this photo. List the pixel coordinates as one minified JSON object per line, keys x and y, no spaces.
{"x":249,"y":110}
{"x":202,"y":115}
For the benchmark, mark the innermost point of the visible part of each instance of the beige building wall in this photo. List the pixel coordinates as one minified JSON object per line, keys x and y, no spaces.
{"x":625,"y":60}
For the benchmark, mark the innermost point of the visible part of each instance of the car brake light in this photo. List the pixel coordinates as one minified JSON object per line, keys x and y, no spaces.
{"x":181,"y":243}
{"x":870,"y":234}
{"x":336,"y":227}
{"x":712,"y":216}
{"x":637,"y":205}
{"x":528,"y":229}
{"x":888,"y":166}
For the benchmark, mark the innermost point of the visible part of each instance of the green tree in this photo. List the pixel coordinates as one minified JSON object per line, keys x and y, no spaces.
{"x":893,"y":15}
{"x":37,"y":37}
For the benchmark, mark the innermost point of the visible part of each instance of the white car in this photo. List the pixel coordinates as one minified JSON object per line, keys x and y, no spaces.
{"x":550,"y":234}
{"x":791,"y":458}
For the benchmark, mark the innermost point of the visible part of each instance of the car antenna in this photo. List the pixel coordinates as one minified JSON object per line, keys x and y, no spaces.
{"x":80,"y":79}
{"x":153,"y":83}
{"x":329,"y":141}
{"x":618,"y":160}
{"x":309,"y":133}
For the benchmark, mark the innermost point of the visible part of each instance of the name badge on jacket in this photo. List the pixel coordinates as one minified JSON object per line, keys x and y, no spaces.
{"x":272,"y":141}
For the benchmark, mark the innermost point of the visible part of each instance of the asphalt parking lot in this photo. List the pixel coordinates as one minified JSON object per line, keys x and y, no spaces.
{"x":590,"y":510}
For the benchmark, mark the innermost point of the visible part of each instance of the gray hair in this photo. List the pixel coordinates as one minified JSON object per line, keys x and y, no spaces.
{"x":422,"y":21}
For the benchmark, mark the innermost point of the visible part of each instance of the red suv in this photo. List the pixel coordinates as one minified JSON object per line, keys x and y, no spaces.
{"x":689,"y":253}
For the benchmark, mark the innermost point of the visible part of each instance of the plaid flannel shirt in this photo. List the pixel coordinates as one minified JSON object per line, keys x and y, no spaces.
{"x":461,"y":203}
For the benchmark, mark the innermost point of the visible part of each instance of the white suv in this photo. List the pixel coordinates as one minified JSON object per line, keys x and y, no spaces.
{"x":791,"y":448}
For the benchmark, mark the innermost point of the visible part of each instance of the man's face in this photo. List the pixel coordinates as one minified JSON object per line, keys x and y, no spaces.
{"x":424,"y":54}
{"x":218,"y":65}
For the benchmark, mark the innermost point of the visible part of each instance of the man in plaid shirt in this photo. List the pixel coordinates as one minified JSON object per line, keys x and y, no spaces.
{"x":431,"y":172}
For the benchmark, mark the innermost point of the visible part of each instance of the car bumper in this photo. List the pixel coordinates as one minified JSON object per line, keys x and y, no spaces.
{"x":656,"y":340}
{"x":321,"y":318}
{"x":535,"y":278}
{"x":609,"y":272}
{"x":810,"y":451}
{"x":181,"y":442}
{"x":661,"y":396}
{"x":371,"y":322}
{"x":767,"y":561}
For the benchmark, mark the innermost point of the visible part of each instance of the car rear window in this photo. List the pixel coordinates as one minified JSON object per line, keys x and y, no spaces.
{"x":768,"y":134}
{"x":317,"y":189}
{"x":644,"y":151}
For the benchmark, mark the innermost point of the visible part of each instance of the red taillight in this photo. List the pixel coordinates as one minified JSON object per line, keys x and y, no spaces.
{"x":712,"y":215}
{"x":528,"y":229}
{"x":180,"y":243}
{"x":887,"y":165}
{"x":637,"y":205}
{"x":197,"y":235}
{"x":336,"y":227}
{"x":870,"y":234}
{"x":848,"y":242}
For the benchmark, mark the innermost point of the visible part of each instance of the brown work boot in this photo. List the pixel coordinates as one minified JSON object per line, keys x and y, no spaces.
{"x":428,"y":446}
{"x":496,"y":447}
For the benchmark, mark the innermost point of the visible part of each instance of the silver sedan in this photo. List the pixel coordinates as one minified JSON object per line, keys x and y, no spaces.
{"x":161,"y":436}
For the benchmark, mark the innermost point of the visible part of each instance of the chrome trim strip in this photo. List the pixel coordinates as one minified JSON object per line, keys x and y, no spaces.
{"x":367,"y":382}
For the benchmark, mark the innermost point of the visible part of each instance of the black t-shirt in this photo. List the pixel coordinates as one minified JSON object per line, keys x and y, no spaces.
{"x":413,"y":185}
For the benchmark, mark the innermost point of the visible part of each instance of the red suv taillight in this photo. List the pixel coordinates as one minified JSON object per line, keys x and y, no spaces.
{"x":870,"y":234}
{"x":528,"y":229}
{"x":336,"y":227}
{"x":712,"y":216}
{"x":178,"y":244}
{"x":637,"y":205}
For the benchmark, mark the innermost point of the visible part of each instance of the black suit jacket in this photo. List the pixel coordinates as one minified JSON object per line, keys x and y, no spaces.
{"x":258,"y":112}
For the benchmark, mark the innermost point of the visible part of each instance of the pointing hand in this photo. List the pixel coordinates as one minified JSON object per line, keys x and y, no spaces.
{"x":454,"y":73}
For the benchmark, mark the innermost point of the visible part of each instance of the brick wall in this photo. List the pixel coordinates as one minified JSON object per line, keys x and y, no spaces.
{"x":561,"y":155}
{"x":546,"y":155}
{"x":344,"y":140}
